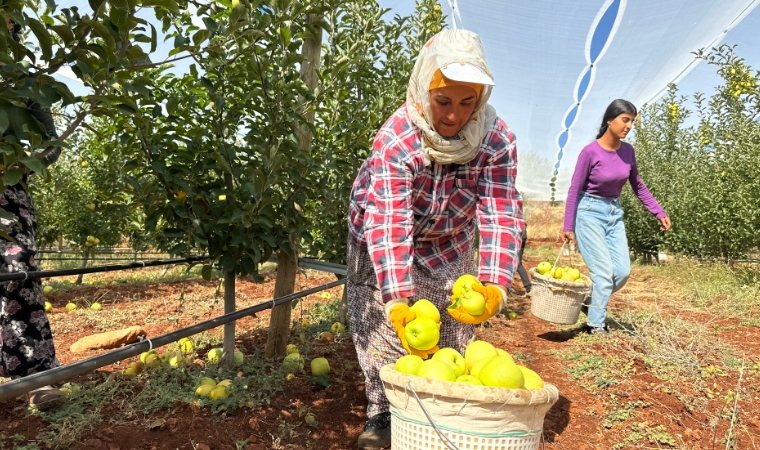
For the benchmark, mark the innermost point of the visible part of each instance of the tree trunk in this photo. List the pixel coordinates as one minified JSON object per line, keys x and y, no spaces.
{"x":287,"y":265}
{"x":228,"y":346}
{"x":84,"y":264}
{"x":343,"y":311}
{"x":279,"y":324}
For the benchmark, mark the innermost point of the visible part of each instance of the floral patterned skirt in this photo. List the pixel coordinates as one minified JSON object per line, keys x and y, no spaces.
{"x":26,"y":341}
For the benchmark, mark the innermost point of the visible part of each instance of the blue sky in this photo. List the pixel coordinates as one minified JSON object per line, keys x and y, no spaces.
{"x":701,"y":79}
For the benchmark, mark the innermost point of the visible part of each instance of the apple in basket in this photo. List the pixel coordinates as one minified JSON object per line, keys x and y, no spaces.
{"x":543,"y":267}
{"x":453,"y":358}
{"x":437,"y":370}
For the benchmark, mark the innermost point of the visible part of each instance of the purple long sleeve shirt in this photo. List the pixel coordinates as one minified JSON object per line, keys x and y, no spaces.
{"x":604,"y":173}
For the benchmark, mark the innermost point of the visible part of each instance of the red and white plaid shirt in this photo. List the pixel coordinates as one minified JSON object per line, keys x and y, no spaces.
{"x":406,"y":212}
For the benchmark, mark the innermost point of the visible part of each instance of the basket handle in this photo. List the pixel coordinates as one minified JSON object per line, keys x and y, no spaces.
{"x":558,"y":255}
{"x":446,"y":441}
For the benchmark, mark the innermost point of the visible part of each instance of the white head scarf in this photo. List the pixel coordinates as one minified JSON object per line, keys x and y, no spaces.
{"x":449,"y":47}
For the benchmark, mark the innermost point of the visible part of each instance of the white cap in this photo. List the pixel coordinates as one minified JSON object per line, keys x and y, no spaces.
{"x":467,"y":73}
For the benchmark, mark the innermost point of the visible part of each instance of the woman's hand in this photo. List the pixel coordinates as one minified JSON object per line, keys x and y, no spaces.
{"x":567,"y":236}
{"x":665,"y":221}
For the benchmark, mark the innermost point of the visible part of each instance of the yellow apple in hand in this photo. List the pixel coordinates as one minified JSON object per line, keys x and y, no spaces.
{"x":422,"y":333}
{"x":408,"y":364}
{"x":463,"y":285}
{"x":474,"y":303}
{"x":477,"y":351}
{"x":501,"y":372}
{"x":436,"y":370}
{"x":452,"y":358}
{"x":425,"y":308}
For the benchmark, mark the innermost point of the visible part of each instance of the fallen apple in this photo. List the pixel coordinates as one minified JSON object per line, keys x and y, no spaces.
{"x":47,"y":290}
{"x":48,"y":307}
{"x":96,"y":306}
{"x":291,"y":348}
{"x":70,"y":307}
{"x":204,"y":390}
{"x":238,"y":357}
{"x":320,"y":366}
{"x":337,"y":328}
{"x":215,"y":355}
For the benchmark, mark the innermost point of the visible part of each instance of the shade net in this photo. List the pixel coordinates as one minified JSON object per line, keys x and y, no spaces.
{"x":558,"y":64}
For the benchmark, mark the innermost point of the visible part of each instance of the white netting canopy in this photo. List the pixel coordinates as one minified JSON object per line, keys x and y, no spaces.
{"x":558,"y":64}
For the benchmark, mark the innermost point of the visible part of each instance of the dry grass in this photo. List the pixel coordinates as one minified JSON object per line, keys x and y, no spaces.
{"x":544,"y":221}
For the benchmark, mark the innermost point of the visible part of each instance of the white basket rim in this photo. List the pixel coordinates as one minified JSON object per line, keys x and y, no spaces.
{"x":470,"y":392}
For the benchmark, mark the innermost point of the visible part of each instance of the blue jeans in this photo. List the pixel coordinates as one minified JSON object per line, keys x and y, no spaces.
{"x":600,"y":234}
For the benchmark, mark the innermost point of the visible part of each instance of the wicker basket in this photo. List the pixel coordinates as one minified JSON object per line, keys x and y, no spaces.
{"x":557,"y":301}
{"x":469,"y":417}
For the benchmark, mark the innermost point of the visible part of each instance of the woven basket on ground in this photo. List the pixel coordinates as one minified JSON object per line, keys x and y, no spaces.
{"x":557,"y":301}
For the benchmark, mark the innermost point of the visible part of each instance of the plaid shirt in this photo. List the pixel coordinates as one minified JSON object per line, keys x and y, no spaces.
{"x":406,"y":212}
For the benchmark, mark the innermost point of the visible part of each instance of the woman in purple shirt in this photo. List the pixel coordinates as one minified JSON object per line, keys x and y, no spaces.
{"x":593,"y":209}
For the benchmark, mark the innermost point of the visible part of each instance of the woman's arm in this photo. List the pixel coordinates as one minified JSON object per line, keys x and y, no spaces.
{"x":500,"y":215}
{"x":642,"y":192}
{"x":388,"y":219}
{"x":580,"y":177}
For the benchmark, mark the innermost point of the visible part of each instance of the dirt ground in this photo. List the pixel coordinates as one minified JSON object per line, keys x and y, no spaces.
{"x":594,"y":411}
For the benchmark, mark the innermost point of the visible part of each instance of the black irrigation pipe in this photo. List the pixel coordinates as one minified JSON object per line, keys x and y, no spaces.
{"x":88,"y":259}
{"x":86,"y":270}
{"x":21,"y":386}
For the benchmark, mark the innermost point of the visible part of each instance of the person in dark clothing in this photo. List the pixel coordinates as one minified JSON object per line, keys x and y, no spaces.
{"x":521,"y":269}
{"x":26,"y":340}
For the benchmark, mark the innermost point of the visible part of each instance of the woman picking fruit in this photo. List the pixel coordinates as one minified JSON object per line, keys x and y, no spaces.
{"x":593,"y":209}
{"x":441,"y":161}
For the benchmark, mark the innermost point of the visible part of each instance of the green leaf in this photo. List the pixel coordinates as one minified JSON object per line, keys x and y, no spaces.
{"x":12,"y":177}
{"x":34,"y":164}
{"x":206,"y":272}
{"x":119,"y":18}
{"x":320,"y":380}
{"x":43,"y":38}
{"x":4,"y":123}
{"x":200,"y":36}
{"x":153,"y":38}
{"x":169,"y":5}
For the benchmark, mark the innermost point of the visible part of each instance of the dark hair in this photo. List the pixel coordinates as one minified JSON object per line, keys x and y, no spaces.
{"x":616,"y":108}
{"x":16,"y":32}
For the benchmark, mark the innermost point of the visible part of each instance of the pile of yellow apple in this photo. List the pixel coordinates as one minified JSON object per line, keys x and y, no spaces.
{"x":208,"y":387}
{"x":560,"y":273}
{"x":482,"y":364}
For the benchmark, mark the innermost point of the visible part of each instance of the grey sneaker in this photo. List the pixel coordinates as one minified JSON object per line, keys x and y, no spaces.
{"x":603,"y":331}
{"x":46,"y":397}
{"x":377,"y":433}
